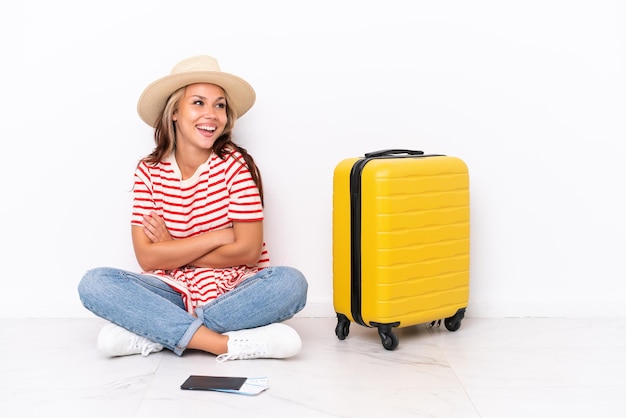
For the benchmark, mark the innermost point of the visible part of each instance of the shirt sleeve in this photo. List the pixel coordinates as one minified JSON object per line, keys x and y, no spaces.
{"x":143,"y":201}
{"x":244,"y":197}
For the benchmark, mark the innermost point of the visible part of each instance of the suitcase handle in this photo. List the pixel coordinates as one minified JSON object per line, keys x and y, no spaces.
{"x":384,"y":152}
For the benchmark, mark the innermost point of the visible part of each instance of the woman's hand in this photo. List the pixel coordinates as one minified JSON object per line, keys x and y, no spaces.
{"x":155,"y":229}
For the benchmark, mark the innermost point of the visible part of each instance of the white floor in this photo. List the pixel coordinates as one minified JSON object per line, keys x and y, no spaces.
{"x":490,"y":368}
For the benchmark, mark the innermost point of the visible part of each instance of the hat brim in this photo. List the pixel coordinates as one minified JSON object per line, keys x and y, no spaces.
{"x":241,"y":95}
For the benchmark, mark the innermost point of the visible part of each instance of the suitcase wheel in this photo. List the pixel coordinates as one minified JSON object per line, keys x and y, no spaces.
{"x":343,"y":326}
{"x":454,"y":322}
{"x":387,"y":336}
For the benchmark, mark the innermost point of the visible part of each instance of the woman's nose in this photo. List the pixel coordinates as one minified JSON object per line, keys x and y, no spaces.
{"x":210,"y":113}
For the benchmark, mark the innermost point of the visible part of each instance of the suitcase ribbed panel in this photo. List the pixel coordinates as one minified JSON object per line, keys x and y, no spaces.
{"x":414,"y":239}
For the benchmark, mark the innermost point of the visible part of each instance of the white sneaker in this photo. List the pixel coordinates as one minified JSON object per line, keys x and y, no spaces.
{"x":270,"y":341}
{"x":116,"y":341}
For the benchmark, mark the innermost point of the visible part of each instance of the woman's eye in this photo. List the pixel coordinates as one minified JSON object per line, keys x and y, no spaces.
{"x":198,"y":102}
{"x":221,"y":105}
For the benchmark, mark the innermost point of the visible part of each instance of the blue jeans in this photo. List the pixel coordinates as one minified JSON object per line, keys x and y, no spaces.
{"x":148,"y":307}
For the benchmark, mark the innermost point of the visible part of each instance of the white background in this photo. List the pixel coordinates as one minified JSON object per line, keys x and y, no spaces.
{"x":529,"y":93}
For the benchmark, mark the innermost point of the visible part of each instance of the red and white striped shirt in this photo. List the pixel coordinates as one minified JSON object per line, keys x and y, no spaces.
{"x":220,"y":192}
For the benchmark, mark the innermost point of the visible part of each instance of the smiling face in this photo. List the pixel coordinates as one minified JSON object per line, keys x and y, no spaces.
{"x":200,"y":118}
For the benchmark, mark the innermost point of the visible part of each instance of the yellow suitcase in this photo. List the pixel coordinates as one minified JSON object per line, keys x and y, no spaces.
{"x":401,"y":243}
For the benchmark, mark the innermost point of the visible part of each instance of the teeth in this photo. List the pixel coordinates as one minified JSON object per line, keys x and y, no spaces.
{"x":207,"y":128}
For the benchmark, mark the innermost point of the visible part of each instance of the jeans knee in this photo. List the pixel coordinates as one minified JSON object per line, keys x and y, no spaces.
{"x":298,"y":285}
{"x":90,"y":284}
{"x":85,"y":286}
{"x":301,"y":283}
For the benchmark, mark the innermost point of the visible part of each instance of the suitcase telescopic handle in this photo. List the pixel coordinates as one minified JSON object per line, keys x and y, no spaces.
{"x":384,"y":152}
